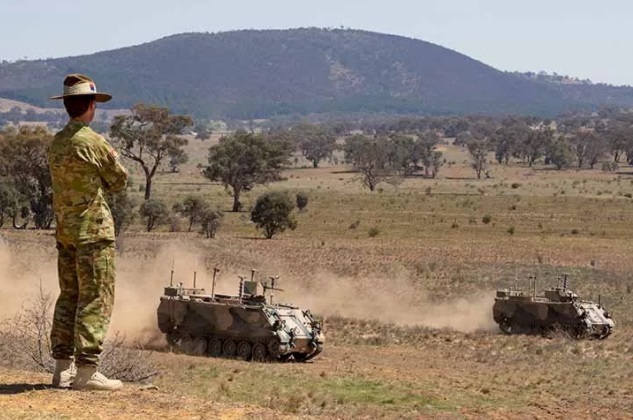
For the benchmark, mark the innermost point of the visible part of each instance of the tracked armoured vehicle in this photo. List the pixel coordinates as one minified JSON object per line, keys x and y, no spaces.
{"x":247,"y":325}
{"x":556,"y":309}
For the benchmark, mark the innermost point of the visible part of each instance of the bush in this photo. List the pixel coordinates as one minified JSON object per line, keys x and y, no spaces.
{"x":373,"y":231}
{"x":302,"y":200}
{"x":192,"y":207}
{"x":155,"y":212}
{"x":211,"y":221}
{"x":511,"y":230}
{"x":25,"y":344}
{"x":273,"y":213}
{"x":486,"y":219}
{"x":515,"y":185}
{"x":122,"y":206}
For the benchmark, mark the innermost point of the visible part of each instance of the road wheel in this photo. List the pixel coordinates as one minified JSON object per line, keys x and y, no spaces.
{"x":199,"y":346}
{"x":229,"y":348}
{"x":215,"y":347}
{"x":259,"y":352}
{"x":505,"y":326}
{"x":244,"y":350}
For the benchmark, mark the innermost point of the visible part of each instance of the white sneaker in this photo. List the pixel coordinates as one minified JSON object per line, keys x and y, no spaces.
{"x":64,"y":373}
{"x":89,"y":379}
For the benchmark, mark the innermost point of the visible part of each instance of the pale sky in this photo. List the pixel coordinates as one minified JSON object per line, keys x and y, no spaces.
{"x":581,"y":38}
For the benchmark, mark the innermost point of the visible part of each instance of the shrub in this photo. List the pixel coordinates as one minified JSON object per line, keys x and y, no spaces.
{"x":302,"y":200}
{"x":486,"y":219}
{"x":355,"y":224}
{"x":373,"y":231}
{"x":273,"y":213}
{"x":211,"y":221}
{"x":155,"y":212}
{"x":515,"y":185}
{"x":511,"y":230}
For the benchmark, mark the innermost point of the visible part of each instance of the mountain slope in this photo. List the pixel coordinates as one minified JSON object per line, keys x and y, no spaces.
{"x":253,"y":74}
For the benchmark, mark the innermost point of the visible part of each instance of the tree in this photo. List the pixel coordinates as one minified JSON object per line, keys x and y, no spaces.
{"x":24,"y":165}
{"x":155,"y":212}
{"x":431,"y":158}
{"x":479,"y":149}
{"x":536,"y":144}
{"x":559,"y":154}
{"x":302,"y":200}
{"x":242,"y":160}
{"x":273,"y":213}
{"x":587,"y":146}
{"x":316,"y":142}
{"x":122,"y":206}
{"x":193,"y":208}
{"x":210,"y":220}
{"x":149,"y":135}
{"x":509,"y":138}
{"x":370,"y":158}
{"x":8,"y":201}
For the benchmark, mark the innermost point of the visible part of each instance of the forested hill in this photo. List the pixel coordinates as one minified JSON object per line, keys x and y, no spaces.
{"x":256,"y":74}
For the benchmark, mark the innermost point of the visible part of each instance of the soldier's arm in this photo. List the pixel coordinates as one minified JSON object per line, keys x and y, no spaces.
{"x":112,"y":172}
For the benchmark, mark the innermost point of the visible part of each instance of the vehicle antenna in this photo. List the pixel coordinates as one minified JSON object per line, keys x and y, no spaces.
{"x":215,"y":271}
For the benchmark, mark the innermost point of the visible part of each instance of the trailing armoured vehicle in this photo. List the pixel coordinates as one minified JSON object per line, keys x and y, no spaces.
{"x":245,"y":326}
{"x":556,"y":309}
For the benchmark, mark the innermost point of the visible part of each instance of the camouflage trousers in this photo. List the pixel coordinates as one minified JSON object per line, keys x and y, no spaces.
{"x":84,"y":306}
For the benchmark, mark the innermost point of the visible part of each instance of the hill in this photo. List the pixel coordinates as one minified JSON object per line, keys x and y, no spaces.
{"x":255,"y":74}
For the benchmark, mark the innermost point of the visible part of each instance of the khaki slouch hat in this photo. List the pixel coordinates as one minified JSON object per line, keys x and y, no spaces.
{"x":77,"y":84}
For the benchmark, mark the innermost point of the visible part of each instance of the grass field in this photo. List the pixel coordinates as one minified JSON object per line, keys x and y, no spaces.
{"x":405,"y":279}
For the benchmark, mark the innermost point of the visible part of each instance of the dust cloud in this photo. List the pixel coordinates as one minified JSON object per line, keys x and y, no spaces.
{"x":141,"y":278}
{"x":394,"y":300}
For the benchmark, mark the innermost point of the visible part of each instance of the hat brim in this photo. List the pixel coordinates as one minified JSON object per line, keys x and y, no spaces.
{"x":99,"y":97}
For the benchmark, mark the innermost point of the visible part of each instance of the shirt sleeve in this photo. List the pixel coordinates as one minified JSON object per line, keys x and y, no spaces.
{"x":111,"y":171}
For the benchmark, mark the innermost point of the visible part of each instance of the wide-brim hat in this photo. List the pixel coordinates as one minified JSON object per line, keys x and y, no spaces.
{"x":80,"y":85}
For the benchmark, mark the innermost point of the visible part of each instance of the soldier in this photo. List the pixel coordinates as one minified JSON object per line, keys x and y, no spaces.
{"x":83,"y":167}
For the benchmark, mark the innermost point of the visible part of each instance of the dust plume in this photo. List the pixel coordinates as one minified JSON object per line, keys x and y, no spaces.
{"x":392,"y":297}
{"x":393,"y":300}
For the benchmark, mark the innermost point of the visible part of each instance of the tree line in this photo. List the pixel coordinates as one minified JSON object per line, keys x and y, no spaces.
{"x":378,"y":151}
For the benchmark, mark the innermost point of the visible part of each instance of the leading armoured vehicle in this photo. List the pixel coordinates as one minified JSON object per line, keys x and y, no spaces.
{"x":246,"y":325}
{"x":555,"y":309}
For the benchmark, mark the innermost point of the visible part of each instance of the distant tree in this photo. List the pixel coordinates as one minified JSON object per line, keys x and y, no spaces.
{"x":316,"y":142}
{"x":202,"y":130}
{"x":9,"y":200}
{"x":587,"y":146}
{"x":176,"y":160}
{"x":24,"y":165}
{"x":273,"y":213}
{"x":619,"y":137}
{"x":370,"y":158}
{"x":479,"y":149}
{"x":193,"y":208}
{"x":536,"y":144}
{"x":302,"y":200}
{"x":509,"y":138}
{"x":148,"y":136}
{"x":242,"y":160}
{"x":122,"y":206}
{"x":430,"y":157}
{"x":559,"y":154}
{"x":154,"y":212}
{"x":210,"y":220}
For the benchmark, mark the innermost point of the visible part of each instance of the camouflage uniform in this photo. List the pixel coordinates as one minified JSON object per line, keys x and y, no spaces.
{"x":83,"y":165}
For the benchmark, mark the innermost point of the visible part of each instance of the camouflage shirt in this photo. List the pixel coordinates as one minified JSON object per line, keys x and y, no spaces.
{"x":83,"y":166}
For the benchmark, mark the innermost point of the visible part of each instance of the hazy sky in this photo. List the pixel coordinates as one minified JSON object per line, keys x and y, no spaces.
{"x":582,"y":38}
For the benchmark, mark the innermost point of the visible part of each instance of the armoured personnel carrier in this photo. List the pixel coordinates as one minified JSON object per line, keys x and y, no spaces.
{"x":519,"y":311}
{"x":247,"y":325}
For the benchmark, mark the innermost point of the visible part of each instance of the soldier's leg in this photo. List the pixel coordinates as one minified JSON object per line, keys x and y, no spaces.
{"x":62,"y":332}
{"x":96,"y":273}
